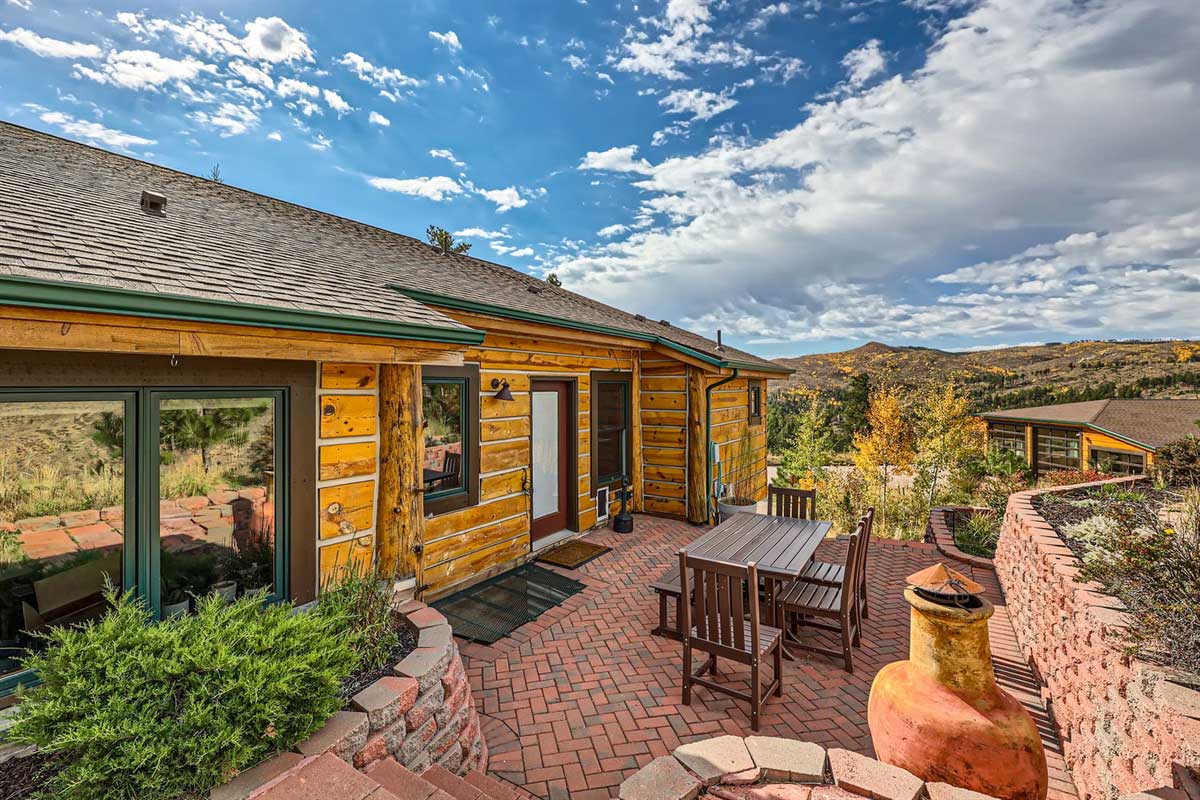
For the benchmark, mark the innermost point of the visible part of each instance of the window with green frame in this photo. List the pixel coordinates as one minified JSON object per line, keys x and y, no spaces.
{"x":611,"y":432}
{"x":755,"y":403}
{"x":450,"y":406}
{"x":77,"y":471}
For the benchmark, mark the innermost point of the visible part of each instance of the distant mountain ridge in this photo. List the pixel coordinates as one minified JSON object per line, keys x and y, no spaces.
{"x":1009,"y":377}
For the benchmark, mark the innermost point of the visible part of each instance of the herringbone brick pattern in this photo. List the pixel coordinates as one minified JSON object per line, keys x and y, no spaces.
{"x":576,"y":701}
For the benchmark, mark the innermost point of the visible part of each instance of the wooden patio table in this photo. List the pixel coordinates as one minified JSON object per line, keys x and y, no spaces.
{"x":781,"y":547}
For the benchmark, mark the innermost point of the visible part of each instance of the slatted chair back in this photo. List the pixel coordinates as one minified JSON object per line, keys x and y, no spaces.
{"x":866,"y":525}
{"x":451,"y":464}
{"x":724,"y":595}
{"x":850,"y":577}
{"x":795,"y":503}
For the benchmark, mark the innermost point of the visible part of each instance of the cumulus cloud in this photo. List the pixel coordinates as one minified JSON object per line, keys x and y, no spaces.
{"x":230,"y":119}
{"x":524,"y":252}
{"x":1018,"y":134}
{"x":272,"y":39}
{"x":335,"y":101}
{"x":449,"y":39}
{"x":375,"y":118}
{"x":700,"y":104}
{"x":505,"y":199}
{"x":46,"y":47}
{"x":143,"y":69}
{"x":480,"y":233}
{"x":616,"y":159}
{"x":448,"y":155}
{"x":251,"y":74}
{"x":437,"y":188}
{"x":387,"y":79}
{"x":609,"y":231}
{"x":94,"y":132}
{"x":864,"y":63}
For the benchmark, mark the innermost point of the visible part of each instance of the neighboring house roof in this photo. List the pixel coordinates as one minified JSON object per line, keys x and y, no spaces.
{"x":1150,"y":423}
{"x":70,"y":215}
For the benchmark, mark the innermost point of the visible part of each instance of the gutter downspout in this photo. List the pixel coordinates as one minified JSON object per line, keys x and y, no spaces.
{"x":708,"y":435}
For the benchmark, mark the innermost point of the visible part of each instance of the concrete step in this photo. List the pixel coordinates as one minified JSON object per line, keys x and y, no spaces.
{"x":453,"y":785}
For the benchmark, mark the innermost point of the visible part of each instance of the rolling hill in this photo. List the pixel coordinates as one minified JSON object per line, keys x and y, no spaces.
{"x":1011,"y":377}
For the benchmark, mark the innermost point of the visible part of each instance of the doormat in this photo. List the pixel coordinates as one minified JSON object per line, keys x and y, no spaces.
{"x":572,"y":554}
{"x":491,"y":610}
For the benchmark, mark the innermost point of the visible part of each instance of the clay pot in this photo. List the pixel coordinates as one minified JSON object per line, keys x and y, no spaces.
{"x":941,"y":716}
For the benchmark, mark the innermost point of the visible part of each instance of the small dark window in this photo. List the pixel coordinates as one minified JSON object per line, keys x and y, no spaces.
{"x":755,"y":404}
{"x":1116,"y":462}
{"x":610,"y":427}
{"x":450,"y":405}
{"x":1004,"y":436}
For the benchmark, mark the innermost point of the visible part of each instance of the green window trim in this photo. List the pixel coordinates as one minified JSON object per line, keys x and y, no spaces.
{"x":141,"y":548}
{"x":755,"y":400}
{"x":467,"y":495}
{"x":625,"y":380}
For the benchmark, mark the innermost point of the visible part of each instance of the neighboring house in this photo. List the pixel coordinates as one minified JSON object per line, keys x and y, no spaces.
{"x":1115,"y":436}
{"x":201,"y":386}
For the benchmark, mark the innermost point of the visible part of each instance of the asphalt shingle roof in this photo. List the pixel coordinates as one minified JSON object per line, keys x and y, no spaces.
{"x":71,"y":213}
{"x":1153,"y":423}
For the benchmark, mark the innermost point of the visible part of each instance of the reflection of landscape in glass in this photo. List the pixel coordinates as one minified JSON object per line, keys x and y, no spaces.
{"x":443,"y":407}
{"x":62,"y":484}
{"x":216,"y":492}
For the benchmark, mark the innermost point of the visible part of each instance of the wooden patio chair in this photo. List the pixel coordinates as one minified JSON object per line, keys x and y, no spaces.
{"x":829,"y":608}
{"x":722,"y":620}
{"x":827,"y":574}
{"x":794,"y":503}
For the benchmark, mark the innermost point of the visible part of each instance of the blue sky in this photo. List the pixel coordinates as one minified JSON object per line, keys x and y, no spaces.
{"x":806,"y":175}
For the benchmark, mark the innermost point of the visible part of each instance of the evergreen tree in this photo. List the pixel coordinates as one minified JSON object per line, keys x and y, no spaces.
{"x":444,"y":240}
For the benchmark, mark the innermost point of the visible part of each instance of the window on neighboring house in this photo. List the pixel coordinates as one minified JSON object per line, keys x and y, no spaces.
{"x":611,"y":433}
{"x":1116,"y":462}
{"x":210,"y":465}
{"x":1003,"y":436}
{"x":755,"y":404}
{"x":450,"y":405}
{"x":1058,"y":448}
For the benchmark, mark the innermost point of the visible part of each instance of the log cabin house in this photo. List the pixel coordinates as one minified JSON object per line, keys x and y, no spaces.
{"x":1118,"y":437}
{"x":202,"y":387}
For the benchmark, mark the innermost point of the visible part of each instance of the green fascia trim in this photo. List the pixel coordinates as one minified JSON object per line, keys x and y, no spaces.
{"x":1065,"y":424}
{"x":36,"y":293}
{"x":432,"y":298}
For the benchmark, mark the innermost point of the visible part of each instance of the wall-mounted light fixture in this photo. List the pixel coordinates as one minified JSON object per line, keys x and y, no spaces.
{"x":502,"y":386}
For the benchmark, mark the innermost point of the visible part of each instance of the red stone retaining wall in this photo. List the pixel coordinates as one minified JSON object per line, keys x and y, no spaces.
{"x":422,"y":716}
{"x":1123,"y":723}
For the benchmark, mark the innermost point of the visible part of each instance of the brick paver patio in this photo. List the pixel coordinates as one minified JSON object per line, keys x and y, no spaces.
{"x":578,"y":700}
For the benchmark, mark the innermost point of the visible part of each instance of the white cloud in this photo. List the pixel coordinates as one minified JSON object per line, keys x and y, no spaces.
{"x":143,"y":69}
{"x":480,"y":233}
{"x":524,"y":252}
{"x":251,"y":74}
{"x":684,"y":40}
{"x":49,"y":48}
{"x":449,"y":156}
{"x":864,"y":63}
{"x":437,"y":188}
{"x":94,"y":132}
{"x":765,"y":14}
{"x":275,"y":136}
{"x":291,"y":87}
{"x":604,"y":76}
{"x":609,"y":231}
{"x":575,"y":62}
{"x":321,"y":143}
{"x":1058,"y":132}
{"x":335,"y":101}
{"x":616,"y":159}
{"x":505,"y":199}
{"x":699,"y":103}
{"x":449,"y":39}
{"x":25,"y":5}
{"x":385,"y":78}
{"x":375,"y":118}
{"x":272,"y":39}
{"x":230,"y":119}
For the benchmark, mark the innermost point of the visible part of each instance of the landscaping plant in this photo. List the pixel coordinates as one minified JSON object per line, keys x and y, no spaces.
{"x":144,"y":710}
{"x":363,"y":602}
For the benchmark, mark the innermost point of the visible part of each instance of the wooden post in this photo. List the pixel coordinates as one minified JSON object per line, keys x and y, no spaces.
{"x":697,"y":447}
{"x":635,"y":412}
{"x":401,"y":509}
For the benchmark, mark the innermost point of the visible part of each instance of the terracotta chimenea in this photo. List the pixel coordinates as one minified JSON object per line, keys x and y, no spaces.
{"x":940,"y":714}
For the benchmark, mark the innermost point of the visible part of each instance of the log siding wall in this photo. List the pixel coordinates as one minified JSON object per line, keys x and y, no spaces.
{"x":347,"y":465}
{"x":731,"y":424}
{"x":664,"y":409}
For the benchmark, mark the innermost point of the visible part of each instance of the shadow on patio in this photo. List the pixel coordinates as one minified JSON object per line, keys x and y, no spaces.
{"x":576,"y":701}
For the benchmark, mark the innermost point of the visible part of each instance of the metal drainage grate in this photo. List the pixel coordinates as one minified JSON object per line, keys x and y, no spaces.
{"x":491,"y":610}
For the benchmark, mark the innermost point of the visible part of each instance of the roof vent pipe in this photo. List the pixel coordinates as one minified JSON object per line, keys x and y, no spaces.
{"x":720,"y":346}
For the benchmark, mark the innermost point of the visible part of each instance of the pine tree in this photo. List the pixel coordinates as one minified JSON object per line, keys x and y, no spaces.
{"x":553,"y":279}
{"x":444,"y":240}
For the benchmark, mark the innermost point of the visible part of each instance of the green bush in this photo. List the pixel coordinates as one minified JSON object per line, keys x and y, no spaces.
{"x":1178,"y":463}
{"x":169,"y":710}
{"x":978,"y":534}
{"x":363,"y":603}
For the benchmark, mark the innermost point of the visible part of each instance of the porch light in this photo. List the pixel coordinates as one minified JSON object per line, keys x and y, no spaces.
{"x":502,"y":386}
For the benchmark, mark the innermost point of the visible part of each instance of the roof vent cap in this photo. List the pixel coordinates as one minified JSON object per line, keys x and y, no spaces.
{"x":154,"y":203}
{"x":640,"y":317}
{"x":535,"y":289}
{"x":664,"y":323}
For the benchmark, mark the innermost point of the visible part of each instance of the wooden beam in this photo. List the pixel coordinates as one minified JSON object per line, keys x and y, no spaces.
{"x":664,"y":350}
{"x":401,"y":454}
{"x":536,"y":330}
{"x":635,"y":413}
{"x":50,"y":329}
{"x":697,"y":447}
